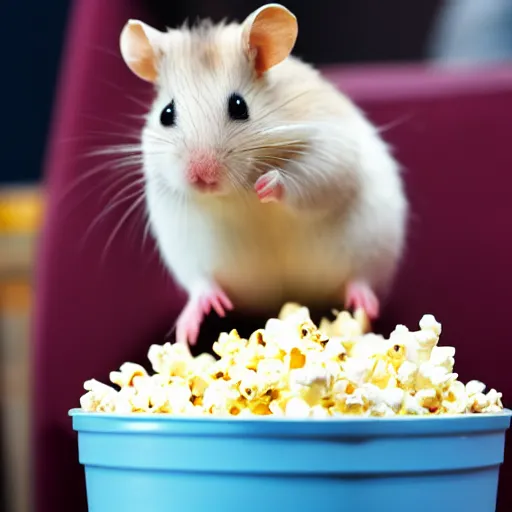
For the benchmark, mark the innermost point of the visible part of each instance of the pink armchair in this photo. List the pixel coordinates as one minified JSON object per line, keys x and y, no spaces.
{"x":451,"y":132}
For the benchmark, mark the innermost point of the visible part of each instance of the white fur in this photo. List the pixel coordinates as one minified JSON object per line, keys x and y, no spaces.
{"x":344,"y":210}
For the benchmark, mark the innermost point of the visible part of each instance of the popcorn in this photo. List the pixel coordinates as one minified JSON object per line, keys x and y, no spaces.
{"x":431,"y":376}
{"x":126,"y":374}
{"x":292,"y":369}
{"x":383,"y":374}
{"x":478,"y":403}
{"x":428,"y":399}
{"x":345,"y":325}
{"x":357,"y":370}
{"x":335,"y":349}
{"x":429,"y":323}
{"x":228,"y":344}
{"x":412,"y":406}
{"x":222,"y":398}
{"x":319,"y":412}
{"x":406,"y":375}
{"x":392,"y":398}
{"x":456,"y":399}
{"x":494,"y":403}
{"x":474,"y":386}
{"x":311,"y":383}
{"x":99,"y":396}
{"x":368,"y":346}
{"x":170,"y":360}
{"x":444,"y":357}
{"x":297,"y":408}
{"x":489,"y":403}
{"x":252,"y":386}
{"x":357,"y":402}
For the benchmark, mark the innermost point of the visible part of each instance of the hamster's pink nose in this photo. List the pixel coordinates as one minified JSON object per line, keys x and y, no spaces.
{"x":203,"y":170}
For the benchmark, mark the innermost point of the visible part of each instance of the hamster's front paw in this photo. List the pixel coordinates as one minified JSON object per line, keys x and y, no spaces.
{"x":198,"y":306}
{"x":269,"y":187}
{"x":359,"y":295}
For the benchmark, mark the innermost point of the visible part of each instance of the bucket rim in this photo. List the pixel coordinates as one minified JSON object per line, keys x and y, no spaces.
{"x":351,"y":426}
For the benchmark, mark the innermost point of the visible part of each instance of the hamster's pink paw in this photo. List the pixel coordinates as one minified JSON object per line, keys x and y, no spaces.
{"x":190,"y":319}
{"x":359,"y":295}
{"x":217,"y":300}
{"x":269,"y":187}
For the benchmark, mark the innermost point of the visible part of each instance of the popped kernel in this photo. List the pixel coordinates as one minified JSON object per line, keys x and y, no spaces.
{"x":413,"y":407}
{"x":444,"y":357}
{"x":429,"y":399}
{"x":127,"y":372}
{"x":220,"y":397}
{"x":319,"y":412}
{"x":252,"y":386}
{"x":228,"y":344}
{"x":478,"y":403}
{"x":406,"y":375}
{"x":356,"y":402}
{"x":170,"y":360}
{"x":297,"y":408}
{"x":431,"y":376}
{"x":294,"y":369}
{"x":456,"y":398}
{"x":383,"y":402}
{"x":96,"y":396}
{"x":474,"y":386}
{"x":428,"y":322}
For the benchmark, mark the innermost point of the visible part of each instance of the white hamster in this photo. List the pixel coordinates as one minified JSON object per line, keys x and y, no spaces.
{"x":263,"y":182}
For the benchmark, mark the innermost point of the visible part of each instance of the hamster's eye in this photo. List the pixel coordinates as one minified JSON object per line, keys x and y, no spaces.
{"x":168,"y":115}
{"x":237,"y":108}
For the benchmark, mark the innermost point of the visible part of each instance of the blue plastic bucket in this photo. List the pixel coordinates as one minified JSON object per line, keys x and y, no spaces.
{"x":157,"y":463}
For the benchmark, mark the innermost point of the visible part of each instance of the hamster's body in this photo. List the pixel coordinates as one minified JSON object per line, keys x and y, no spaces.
{"x":300,"y":200}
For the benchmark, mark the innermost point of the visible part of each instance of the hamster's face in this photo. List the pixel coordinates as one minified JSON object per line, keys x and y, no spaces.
{"x":208,"y":130}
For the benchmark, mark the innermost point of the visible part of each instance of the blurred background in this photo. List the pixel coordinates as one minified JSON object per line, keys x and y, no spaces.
{"x":343,"y":32}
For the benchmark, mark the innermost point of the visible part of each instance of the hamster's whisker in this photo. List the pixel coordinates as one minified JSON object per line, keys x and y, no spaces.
{"x":136,"y":204}
{"x":276,"y":108}
{"x":124,"y":187}
{"x":120,"y":89}
{"x":290,"y":176}
{"x":393,"y":124}
{"x":104,"y":168}
{"x":103,"y":214}
{"x":268,"y":145}
{"x":156,"y":137}
{"x":237,"y":182}
{"x":110,"y":122}
{"x":132,"y":183}
{"x":116,"y":149}
{"x":94,"y":134}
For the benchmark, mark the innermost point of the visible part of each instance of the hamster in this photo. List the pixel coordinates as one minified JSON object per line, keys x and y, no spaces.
{"x":263,"y":183}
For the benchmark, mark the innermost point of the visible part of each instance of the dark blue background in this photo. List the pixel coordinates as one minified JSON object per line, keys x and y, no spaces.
{"x":31,"y":42}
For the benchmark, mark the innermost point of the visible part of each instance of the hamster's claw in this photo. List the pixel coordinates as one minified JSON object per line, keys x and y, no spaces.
{"x":217,"y":300}
{"x":359,"y":295}
{"x":188,"y":324}
{"x":269,"y":187}
{"x":190,"y":319}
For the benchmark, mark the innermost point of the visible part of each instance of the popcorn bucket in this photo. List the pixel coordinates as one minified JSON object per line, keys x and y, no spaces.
{"x":159,"y":463}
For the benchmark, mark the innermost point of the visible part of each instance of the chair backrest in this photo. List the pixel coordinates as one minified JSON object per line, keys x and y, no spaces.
{"x":92,"y":313}
{"x":450,"y":131}
{"x":95,"y":312}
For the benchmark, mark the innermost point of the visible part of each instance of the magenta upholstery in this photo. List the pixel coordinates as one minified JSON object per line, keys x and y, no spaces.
{"x":451,"y":131}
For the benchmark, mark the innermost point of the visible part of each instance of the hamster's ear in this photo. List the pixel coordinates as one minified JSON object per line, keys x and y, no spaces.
{"x":269,"y":35}
{"x":141,"y":48}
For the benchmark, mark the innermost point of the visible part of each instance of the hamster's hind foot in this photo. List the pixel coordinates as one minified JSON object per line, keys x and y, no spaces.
{"x":359,"y":295}
{"x":192,"y":316}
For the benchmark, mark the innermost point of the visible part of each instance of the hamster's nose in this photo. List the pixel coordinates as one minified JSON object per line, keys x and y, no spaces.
{"x":203,"y":169}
